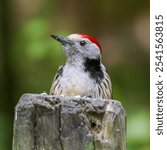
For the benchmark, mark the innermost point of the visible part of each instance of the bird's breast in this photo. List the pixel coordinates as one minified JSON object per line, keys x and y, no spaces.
{"x":76,"y":82}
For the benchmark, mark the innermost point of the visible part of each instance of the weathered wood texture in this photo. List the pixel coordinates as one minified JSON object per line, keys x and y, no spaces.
{"x":44,"y":122}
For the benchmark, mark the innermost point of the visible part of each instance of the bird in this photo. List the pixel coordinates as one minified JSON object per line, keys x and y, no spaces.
{"x":83,"y":74}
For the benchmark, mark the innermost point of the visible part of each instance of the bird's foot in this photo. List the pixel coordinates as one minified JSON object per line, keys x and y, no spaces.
{"x":44,"y":93}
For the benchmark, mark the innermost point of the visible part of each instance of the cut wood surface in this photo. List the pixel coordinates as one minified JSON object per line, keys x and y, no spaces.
{"x":45,"y":122}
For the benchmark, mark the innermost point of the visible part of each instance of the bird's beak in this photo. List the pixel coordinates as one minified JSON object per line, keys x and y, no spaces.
{"x":62,"y":39}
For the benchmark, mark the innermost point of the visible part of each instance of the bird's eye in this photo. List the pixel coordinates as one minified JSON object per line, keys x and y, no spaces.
{"x":82,"y":43}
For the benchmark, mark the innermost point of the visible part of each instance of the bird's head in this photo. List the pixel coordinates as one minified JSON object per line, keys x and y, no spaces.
{"x":80,"y":46}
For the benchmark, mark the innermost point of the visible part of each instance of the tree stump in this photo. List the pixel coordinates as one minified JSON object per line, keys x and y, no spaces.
{"x":45,"y":122}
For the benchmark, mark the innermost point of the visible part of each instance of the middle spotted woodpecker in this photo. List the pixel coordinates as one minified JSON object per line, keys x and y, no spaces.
{"x":83,"y":73}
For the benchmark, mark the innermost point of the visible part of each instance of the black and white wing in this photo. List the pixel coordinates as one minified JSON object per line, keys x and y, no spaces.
{"x":55,"y":88}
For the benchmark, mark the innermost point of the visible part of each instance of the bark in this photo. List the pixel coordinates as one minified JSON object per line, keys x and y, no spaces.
{"x":44,"y":122}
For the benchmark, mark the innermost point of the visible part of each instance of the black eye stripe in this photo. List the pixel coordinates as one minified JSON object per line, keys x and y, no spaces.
{"x":82,"y":43}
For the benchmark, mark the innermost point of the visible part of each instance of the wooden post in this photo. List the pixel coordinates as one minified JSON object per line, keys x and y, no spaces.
{"x":45,"y":122}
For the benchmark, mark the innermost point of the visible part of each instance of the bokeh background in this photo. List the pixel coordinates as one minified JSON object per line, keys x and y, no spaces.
{"x":29,"y":58}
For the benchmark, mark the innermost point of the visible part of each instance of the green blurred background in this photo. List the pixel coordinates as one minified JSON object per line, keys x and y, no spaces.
{"x":29,"y":58}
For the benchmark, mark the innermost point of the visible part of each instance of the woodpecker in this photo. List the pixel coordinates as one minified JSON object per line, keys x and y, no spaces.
{"x":83,"y":73}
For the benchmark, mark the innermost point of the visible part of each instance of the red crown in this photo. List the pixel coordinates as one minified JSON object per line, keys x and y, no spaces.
{"x":93,"y":40}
